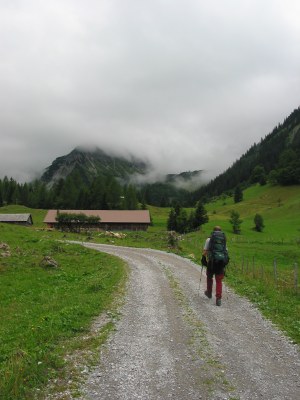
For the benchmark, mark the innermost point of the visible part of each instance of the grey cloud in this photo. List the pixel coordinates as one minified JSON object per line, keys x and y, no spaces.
{"x":188,"y":85}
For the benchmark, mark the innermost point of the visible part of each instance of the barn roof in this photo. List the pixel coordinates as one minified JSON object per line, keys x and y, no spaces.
{"x":106,"y":216}
{"x":15,"y":218}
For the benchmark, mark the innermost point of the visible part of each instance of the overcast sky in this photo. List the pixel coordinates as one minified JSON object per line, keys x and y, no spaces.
{"x":186,"y":84}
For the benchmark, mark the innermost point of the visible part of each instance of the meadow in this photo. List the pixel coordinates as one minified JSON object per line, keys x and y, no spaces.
{"x":46,"y":312}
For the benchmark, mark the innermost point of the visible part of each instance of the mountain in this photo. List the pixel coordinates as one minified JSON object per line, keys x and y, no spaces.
{"x":276,"y":158}
{"x":82,"y":167}
{"x":90,"y":164}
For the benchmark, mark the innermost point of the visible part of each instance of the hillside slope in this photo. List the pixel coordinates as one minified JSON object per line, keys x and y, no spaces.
{"x":279,"y":151}
{"x":278,"y":205}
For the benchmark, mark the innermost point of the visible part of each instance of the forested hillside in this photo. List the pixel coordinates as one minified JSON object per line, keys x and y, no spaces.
{"x":276,"y":159}
{"x":70,"y":193}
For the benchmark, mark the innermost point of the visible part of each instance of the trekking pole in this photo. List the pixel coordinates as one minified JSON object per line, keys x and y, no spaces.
{"x":225,"y":286}
{"x":200,"y":280}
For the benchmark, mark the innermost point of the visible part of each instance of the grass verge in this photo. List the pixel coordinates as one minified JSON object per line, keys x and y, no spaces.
{"x":45,"y":311}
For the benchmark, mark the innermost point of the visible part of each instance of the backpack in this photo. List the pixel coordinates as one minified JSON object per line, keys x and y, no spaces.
{"x":217,"y":252}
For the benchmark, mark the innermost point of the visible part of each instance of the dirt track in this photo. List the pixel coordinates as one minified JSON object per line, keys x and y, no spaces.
{"x":172,"y":342}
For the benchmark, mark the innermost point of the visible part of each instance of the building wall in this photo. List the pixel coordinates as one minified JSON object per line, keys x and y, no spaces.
{"x":123,"y":227}
{"x":24,"y":223}
{"x":112,"y":227}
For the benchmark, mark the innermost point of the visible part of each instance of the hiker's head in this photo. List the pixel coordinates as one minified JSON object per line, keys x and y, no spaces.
{"x":217,"y":228}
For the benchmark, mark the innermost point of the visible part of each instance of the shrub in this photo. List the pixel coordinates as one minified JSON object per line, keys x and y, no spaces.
{"x":259,"y":223}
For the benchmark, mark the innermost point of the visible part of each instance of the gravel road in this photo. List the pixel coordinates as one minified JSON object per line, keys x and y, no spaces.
{"x":172,"y":342}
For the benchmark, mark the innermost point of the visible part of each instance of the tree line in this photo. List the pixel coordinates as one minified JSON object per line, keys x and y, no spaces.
{"x":71,"y":193}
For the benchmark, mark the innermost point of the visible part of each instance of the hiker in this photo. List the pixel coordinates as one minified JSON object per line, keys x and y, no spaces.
{"x":215,"y":252}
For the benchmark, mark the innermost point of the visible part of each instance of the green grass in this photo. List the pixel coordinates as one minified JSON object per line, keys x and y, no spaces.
{"x":44,"y":312}
{"x":43,"y":309}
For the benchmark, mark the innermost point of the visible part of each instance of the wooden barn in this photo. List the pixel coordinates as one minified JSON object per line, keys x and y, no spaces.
{"x":109,"y":220}
{"x":19,"y":219}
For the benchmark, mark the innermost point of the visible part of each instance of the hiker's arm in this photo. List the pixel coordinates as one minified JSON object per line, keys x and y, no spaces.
{"x":206,"y":247}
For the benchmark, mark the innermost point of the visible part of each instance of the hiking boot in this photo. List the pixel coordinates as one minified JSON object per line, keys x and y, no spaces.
{"x":207,"y":294}
{"x":218,"y":302}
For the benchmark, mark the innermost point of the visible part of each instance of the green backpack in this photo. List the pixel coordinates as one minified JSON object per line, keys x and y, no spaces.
{"x":217,"y":252}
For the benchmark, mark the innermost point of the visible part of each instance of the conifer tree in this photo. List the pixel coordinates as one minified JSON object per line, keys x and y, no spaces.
{"x":171,"y":224}
{"x":113,"y":194}
{"x":96,"y":194}
{"x":258,"y":175}
{"x":200,"y":216}
{"x":238,"y":194}
{"x":235,"y":221}
{"x":182,"y":225}
{"x":259,"y":223}
{"x":131,"y":201}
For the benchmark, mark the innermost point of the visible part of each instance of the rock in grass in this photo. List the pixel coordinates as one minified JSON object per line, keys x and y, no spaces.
{"x":48,"y":262}
{"x":6,"y":254}
{"x":6,"y":250}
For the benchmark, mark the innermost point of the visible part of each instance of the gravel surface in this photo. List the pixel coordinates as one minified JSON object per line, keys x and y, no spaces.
{"x":172,"y":342}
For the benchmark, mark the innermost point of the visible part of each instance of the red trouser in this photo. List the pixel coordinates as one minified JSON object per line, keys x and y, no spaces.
{"x":209,"y":281}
